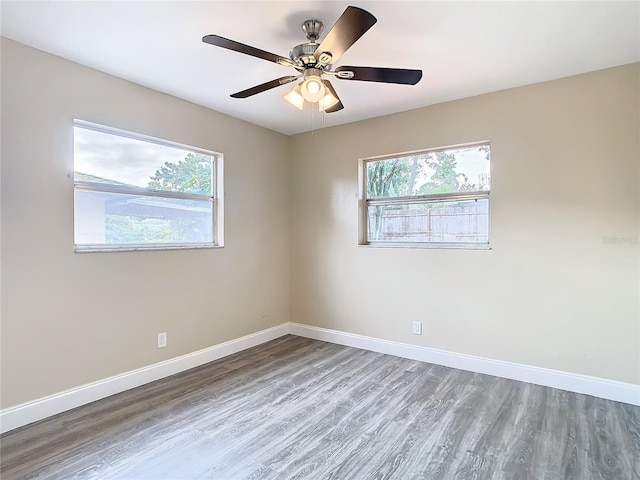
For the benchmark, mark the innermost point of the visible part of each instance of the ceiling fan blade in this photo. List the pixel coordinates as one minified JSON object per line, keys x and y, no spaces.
{"x":247,"y":50}
{"x":379,"y":74}
{"x":264,"y":86}
{"x":351,"y":25}
{"x":338,"y":106}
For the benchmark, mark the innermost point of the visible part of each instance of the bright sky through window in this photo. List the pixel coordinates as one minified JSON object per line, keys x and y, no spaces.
{"x":119,"y":158}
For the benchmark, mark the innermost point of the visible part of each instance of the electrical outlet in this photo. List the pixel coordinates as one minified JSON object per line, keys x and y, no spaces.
{"x":162,"y":340}
{"x":417,"y":328}
{"x":265,"y":313}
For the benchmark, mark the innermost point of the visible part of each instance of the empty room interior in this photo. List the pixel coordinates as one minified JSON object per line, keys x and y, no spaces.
{"x":320,"y":240}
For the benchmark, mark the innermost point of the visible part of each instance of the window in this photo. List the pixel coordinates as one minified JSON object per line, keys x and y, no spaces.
{"x":133,"y":192}
{"x":434,"y":198}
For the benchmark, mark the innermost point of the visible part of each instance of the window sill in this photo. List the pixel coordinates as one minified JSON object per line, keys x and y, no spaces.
{"x":136,"y":248}
{"x":429,"y":246}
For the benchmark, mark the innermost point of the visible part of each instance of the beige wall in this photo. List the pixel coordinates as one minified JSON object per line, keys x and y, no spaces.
{"x":550,"y":293}
{"x":69,"y":319}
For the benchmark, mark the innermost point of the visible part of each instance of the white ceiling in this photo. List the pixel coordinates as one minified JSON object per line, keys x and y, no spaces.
{"x":463,"y":48}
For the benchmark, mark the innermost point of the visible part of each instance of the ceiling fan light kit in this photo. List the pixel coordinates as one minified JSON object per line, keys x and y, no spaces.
{"x":328,"y":101}
{"x":295,"y":98}
{"x":313,"y":60}
{"x":312,"y":87}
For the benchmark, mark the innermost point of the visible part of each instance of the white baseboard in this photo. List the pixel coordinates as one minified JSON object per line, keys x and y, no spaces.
{"x":33,"y":411}
{"x":572,"y":382}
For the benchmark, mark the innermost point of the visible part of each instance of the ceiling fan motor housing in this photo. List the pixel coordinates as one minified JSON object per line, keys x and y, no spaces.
{"x":303,"y":53}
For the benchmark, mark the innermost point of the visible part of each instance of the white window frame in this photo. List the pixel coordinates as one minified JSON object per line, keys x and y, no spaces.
{"x":216,"y":197}
{"x":364,"y":203}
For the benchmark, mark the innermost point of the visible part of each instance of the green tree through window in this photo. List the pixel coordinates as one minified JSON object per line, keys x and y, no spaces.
{"x":191,"y":175}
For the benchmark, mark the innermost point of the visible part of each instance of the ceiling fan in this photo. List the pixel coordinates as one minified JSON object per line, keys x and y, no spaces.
{"x":314,"y":60}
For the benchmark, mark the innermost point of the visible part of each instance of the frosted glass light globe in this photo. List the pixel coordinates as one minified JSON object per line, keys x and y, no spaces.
{"x":313,"y":89}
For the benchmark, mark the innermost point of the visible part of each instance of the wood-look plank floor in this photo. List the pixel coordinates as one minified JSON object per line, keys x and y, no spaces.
{"x":296,"y":408}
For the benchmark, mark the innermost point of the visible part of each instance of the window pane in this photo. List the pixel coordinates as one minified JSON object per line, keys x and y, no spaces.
{"x":120,"y":219}
{"x":101,"y":157}
{"x":463,"y":169}
{"x":460,"y":221}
